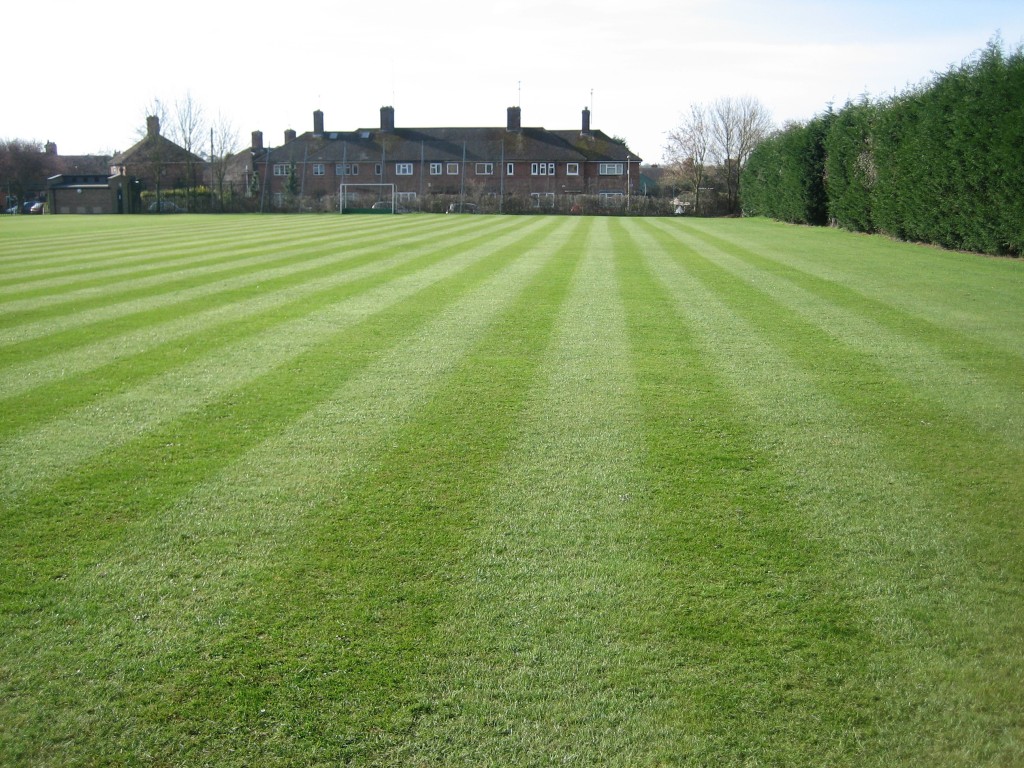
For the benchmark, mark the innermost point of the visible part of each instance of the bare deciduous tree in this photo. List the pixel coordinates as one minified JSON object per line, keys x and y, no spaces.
{"x":723,"y":134}
{"x":223,"y":144}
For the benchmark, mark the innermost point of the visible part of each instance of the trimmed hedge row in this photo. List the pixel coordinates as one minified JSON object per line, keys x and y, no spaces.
{"x":941,"y":164}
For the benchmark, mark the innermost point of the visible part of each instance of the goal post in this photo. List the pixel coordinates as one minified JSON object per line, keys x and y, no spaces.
{"x":363,"y":198}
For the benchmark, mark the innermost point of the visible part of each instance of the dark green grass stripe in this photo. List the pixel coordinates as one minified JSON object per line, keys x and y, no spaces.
{"x":284,"y":632}
{"x":952,"y":344}
{"x":924,"y":526}
{"x":746,"y":595}
{"x":128,"y":369}
{"x":163,"y":281}
{"x":115,"y":418}
{"x":84,"y":327}
{"x":101,"y":267}
{"x":930,"y":435}
{"x":542,"y":660}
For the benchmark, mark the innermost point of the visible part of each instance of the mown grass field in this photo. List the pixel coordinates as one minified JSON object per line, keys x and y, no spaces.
{"x":427,"y":491}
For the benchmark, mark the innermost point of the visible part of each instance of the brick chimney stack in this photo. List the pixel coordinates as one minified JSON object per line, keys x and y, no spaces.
{"x":318,"y":123}
{"x":586,"y":122}
{"x":387,"y":119}
{"x":257,"y":141}
{"x":152,"y":126}
{"x":515,"y":124}
{"x":289,"y":135}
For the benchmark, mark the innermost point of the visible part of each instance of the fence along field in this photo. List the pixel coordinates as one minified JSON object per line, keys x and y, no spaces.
{"x":472,"y":490}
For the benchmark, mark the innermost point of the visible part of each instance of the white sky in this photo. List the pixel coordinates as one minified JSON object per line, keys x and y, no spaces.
{"x":82,"y":73}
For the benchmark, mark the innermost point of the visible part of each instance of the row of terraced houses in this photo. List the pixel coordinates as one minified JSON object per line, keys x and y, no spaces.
{"x":533,"y":164}
{"x":503,"y":167}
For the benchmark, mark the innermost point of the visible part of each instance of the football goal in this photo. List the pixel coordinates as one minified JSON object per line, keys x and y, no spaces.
{"x":364,"y":198}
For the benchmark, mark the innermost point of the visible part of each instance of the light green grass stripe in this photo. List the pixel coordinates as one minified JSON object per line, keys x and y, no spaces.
{"x":64,"y":364}
{"x":535,"y":648}
{"x":39,"y":329}
{"x":191,"y":580}
{"x":961,"y":390}
{"x":894,"y":551}
{"x":60,"y":444}
{"x":978,"y":296}
{"x":225,"y":267}
{"x":208,"y":248}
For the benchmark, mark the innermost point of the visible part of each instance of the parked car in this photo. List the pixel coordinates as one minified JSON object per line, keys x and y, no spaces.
{"x":165,"y":206}
{"x":462,"y":208}
{"x":37,"y":207}
{"x":26,"y":207}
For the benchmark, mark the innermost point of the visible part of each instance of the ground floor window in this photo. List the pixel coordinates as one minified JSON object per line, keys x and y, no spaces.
{"x":543,"y":199}
{"x":406,"y":197}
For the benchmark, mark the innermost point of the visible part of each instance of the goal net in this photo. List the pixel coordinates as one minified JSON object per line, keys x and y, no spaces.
{"x":362,"y":198}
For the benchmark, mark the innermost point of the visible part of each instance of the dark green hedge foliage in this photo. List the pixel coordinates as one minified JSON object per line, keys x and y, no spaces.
{"x":943,"y":163}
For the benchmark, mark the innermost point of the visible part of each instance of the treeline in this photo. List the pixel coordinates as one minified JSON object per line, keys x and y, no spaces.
{"x":942,"y":163}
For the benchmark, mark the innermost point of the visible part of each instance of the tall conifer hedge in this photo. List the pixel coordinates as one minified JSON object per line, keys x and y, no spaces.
{"x":942,"y":163}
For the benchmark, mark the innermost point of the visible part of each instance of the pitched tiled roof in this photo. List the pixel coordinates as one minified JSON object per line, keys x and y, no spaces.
{"x":449,"y":144}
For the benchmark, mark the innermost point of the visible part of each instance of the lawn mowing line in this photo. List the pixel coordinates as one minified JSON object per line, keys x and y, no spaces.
{"x":916,"y":279}
{"x":745,"y":596}
{"x":123,"y":309}
{"x":985,"y":494}
{"x":198,"y":570}
{"x":101,"y":291}
{"x":946,"y":627}
{"x":996,"y":406}
{"x":118,"y":363}
{"x":57,"y":446}
{"x":536,"y":647}
{"x":969,"y":347}
{"x":148,"y":235}
{"x":20,"y":377}
{"x":139,"y":259}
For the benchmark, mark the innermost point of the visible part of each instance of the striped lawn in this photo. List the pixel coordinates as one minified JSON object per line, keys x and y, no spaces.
{"x":439,"y":490}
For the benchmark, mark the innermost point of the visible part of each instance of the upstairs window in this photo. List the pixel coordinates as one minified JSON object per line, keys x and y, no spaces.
{"x":452,"y":169}
{"x":542,"y":169}
{"x":346,"y":169}
{"x":435,"y":169}
{"x":318,"y":169}
{"x":281,"y":169}
{"x":484,"y":169}
{"x":403,"y":169}
{"x":572,"y":169}
{"x":610,"y":169}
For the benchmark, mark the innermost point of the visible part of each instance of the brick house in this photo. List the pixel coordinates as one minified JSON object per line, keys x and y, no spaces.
{"x":499,"y":167}
{"x":158,"y":163}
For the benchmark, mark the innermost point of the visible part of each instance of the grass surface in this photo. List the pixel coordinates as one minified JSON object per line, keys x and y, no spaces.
{"x":304,"y":491}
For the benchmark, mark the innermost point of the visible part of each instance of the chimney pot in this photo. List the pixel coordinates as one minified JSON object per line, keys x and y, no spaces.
{"x":515,"y":123}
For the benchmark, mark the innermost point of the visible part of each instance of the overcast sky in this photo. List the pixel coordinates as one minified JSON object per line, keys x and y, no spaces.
{"x":82,"y":73}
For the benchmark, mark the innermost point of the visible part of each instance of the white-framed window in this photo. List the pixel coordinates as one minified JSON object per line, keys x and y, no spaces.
{"x":403,"y":169}
{"x":378,"y":169}
{"x":452,"y":169}
{"x":346,"y":169}
{"x":572,"y":169}
{"x":318,"y":169}
{"x":610,"y":169}
{"x":612,"y":198}
{"x":510,"y":169}
{"x":542,"y":169}
{"x":436,"y":169}
{"x":281,"y":169}
{"x":484,"y":169}
{"x":543,"y":199}
{"x":406,"y":197}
